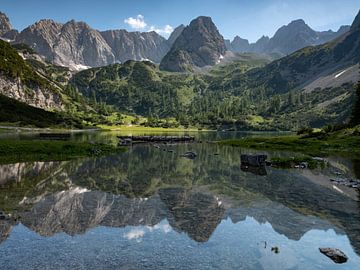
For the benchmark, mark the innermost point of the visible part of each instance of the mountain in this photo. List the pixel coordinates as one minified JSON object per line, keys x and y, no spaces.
{"x":77,"y":46}
{"x":240,"y":45}
{"x":175,"y":34}
{"x":73,"y":44}
{"x":5,"y":25}
{"x":135,"y":45}
{"x":200,"y":44}
{"x":297,"y":35}
{"x":335,"y":59}
{"x":288,"y":39}
{"x":260,"y":45}
{"x":34,"y":92}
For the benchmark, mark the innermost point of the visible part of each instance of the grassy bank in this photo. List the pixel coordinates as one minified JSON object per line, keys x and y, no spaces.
{"x":39,"y":150}
{"x":344,"y":142}
{"x":144,"y":129}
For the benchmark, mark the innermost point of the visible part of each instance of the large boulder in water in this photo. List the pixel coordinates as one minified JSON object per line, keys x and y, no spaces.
{"x":335,"y":254}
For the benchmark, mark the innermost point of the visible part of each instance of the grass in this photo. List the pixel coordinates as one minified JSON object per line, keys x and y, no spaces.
{"x":12,"y":151}
{"x":345,"y":142}
{"x":143,"y":128}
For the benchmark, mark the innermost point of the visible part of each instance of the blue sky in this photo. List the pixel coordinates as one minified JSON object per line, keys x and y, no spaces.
{"x":247,"y":18}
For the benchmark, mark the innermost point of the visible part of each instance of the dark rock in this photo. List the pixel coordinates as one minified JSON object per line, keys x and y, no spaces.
{"x":253,"y":160}
{"x":189,"y":155}
{"x":276,"y":250}
{"x":334,"y":254}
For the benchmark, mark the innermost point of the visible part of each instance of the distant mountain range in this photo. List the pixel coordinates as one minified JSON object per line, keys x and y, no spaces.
{"x":288,"y":39}
{"x":78,"y":46}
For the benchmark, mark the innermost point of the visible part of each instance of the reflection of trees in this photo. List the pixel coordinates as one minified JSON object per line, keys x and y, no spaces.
{"x":143,"y":170}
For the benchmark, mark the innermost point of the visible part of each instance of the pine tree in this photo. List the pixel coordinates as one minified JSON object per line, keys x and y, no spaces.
{"x":355,"y":116}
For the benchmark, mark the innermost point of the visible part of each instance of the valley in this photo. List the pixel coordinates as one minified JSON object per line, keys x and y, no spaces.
{"x":208,"y":135}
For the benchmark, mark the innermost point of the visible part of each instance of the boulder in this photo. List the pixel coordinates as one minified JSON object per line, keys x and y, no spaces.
{"x":334,"y":254}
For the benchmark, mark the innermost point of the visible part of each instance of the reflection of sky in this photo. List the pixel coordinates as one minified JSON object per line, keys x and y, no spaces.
{"x":232,"y":246}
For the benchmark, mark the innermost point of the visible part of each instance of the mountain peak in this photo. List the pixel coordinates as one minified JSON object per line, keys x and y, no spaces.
{"x":240,"y":45}
{"x":297,"y":22}
{"x":199,"y":44}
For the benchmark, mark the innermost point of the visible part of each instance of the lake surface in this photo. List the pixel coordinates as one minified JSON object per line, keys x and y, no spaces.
{"x":150,"y":208}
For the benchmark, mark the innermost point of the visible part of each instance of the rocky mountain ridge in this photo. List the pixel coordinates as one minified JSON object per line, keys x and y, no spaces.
{"x":287,"y":39}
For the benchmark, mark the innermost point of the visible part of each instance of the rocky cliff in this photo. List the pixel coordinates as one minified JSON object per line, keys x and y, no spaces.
{"x":136,"y":45}
{"x":77,"y":45}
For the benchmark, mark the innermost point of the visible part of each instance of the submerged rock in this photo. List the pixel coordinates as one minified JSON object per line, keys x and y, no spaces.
{"x":334,"y":254}
{"x":190,"y":155}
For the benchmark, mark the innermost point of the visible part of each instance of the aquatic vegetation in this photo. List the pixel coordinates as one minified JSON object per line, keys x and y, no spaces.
{"x":40,"y":150}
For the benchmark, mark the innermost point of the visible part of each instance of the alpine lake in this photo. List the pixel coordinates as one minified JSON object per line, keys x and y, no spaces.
{"x":151,"y":208}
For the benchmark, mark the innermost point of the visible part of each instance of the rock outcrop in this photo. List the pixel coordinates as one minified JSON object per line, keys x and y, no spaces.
{"x":39,"y":97}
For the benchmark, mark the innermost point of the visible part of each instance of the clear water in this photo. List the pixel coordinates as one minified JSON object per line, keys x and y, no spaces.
{"x":150,"y":208}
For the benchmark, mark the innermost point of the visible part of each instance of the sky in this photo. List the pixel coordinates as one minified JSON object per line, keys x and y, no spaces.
{"x":249,"y":19}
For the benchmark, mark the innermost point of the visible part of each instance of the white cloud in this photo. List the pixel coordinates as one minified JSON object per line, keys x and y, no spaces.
{"x":136,"y":23}
{"x":166,"y":30}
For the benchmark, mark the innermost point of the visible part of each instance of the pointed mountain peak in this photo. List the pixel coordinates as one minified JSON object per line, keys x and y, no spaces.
{"x":199,"y":44}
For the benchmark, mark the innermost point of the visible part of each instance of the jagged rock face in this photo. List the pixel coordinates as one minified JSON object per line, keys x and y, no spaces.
{"x":136,"y":45}
{"x":175,"y":34}
{"x":38,"y":97}
{"x":77,"y":45}
{"x":71,"y":44}
{"x":240,"y":45}
{"x":5,"y":25}
{"x":80,"y":44}
{"x":42,"y":37}
{"x":200,"y":44}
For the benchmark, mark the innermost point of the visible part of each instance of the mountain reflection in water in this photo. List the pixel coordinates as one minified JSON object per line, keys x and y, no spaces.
{"x":149,"y":189}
